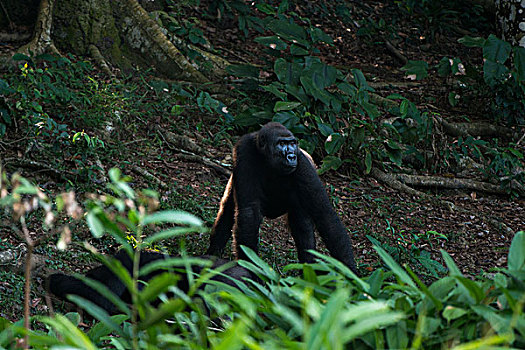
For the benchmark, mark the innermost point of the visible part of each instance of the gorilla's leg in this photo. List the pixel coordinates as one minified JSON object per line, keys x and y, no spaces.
{"x":222,"y":228}
{"x":246,"y":230}
{"x":302,"y":229}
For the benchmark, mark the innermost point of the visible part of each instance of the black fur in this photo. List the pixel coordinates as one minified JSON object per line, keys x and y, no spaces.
{"x":62,"y":285}
{"x":262,"y":185}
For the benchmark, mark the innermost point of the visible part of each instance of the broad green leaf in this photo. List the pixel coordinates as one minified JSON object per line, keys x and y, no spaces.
{"x":519,"y":62}
{"x":21,"y":57}
{"x":348,"y":89}
{"x":319,"y":35}
{"x":285,"y":106}
{"x":403,"y":108}
{"x":334,"y":143}
{"x":451,"y":313}
{"x":275,"y":88}
{"x":330,"y":163}
{"x":287,"y":73}
{"x":472,"y":42}
{"x":500,"y":323}
{"x":289,"y":31}
{"x":452,"y":267}
{"x":396,"y":336}
{"x":260,"y":265}
{"x":157,"y":285}
{"x":360,"y":80}
{"x":331,"y":317}
{"x":396,"y":269}
{"x":272,"y":42}
{"x":172,"y":216}
{"x":71,"y":334}
{"x":516,"y":260}
{"x":287,"y":118}
{"x":170,"y":233}
{"x":444,"y":67}
{"x":417,"y":68}
{"x":95,"y":225}
{"x":100,"y":330}
{"x":475,"y":291}
{"x":297,"y":50}
{"x":494,"y":72}
{"x":370,"y":323}
{"x":368,"y":161}
{"x":166,"y":310}
{"x":496,"y":50}
{"x":98,"y":313}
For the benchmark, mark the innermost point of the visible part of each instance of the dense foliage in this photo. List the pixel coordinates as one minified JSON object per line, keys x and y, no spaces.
{"x":322,"y":306}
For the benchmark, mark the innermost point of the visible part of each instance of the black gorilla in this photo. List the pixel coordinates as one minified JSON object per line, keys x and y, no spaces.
{"x":62,"y":285}
{"x":272,"y":176}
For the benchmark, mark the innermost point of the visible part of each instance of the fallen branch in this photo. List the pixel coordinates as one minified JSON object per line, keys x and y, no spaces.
{"x":445,"y":182}
{"x":391,"y":181}
{"x":220,"y":168}
{"x":27,"y":163}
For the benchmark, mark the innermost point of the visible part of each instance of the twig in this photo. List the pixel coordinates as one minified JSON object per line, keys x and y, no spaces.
{"x":394,"y":51}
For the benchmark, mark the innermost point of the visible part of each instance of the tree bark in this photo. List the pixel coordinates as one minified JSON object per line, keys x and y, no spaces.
{"x":510,"y":21}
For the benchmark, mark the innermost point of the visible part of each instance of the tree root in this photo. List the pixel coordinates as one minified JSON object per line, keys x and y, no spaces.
{"x":180,"y":141}
{"x":10,"y":37}
{"x":162,"y":53}
{"x":97,"y":56}
{"x":149,"y":176}
{"x":187,"y":150}
{"x":218,"y":167}
{"x":475,"y":129}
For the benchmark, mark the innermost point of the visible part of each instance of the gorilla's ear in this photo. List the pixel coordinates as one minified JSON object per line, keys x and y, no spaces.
{"x":262,"y":142}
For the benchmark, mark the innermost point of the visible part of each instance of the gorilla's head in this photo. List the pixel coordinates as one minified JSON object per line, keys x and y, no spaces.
{"x":279,"y":147}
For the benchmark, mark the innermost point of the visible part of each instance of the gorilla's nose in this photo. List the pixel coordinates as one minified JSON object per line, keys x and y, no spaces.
{"x":292,"y":158}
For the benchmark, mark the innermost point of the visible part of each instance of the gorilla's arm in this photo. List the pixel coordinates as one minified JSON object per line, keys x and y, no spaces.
{"x":314,"y":198}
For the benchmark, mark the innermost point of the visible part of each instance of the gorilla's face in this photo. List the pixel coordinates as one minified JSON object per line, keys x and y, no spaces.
{"x":279,"y":147}
{"x":286,"y":152}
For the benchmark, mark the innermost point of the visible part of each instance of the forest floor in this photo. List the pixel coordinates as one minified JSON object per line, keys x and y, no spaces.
{"x":406,"y":224}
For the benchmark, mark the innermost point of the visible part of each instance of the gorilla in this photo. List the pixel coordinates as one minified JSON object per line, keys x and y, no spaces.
{"x":271,"y":177}
{"x":62,"y":285}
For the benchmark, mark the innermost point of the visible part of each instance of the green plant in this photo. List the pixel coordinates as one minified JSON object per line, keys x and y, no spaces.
{"x":407,"y":248}
{"x":324,"y":306}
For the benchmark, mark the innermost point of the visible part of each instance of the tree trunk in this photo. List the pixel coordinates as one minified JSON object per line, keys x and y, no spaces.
{"x":118,"y":32}
{"x":510,"y":21}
